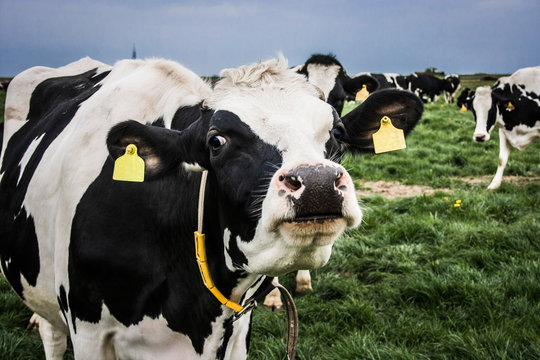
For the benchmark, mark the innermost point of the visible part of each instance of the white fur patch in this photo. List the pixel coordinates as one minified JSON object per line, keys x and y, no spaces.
{"x":323,"y":76}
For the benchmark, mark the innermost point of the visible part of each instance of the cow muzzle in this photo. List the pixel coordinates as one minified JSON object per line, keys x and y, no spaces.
{"x":478,"y":137}
{"x":316,"y":192}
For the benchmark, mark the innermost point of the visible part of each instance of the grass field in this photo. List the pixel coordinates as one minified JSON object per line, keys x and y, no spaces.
{"x":420,"y":278}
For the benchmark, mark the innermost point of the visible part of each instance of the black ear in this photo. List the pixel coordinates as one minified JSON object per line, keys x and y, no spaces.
{"x":353,"y":85}
{"x":402,"y":107}
{"x":161,"y":149}
{"x":503,"y":95}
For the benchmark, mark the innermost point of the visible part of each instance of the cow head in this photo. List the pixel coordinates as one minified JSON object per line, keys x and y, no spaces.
{"x":485,"y":111}
{"x":327,"y":73}
{"x":451,"y":85}
{"x":266,"y":139}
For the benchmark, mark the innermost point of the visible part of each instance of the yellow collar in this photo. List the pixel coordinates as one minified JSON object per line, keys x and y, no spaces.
{"x":200,"y":253}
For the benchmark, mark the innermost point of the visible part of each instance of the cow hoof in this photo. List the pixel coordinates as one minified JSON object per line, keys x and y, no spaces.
{"x":273,"y":300}
{"x":33,"y":323}
{"x":302,"y":289}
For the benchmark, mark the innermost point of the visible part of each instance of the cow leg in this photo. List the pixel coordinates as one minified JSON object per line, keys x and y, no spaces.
{"x":303,"y":282}
{"x":54,"y":340}
{"x":273,"y":299}
{"x":504,"y":152}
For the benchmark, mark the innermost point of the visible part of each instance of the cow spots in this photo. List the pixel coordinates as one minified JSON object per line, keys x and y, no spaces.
{"x":19,"y":255}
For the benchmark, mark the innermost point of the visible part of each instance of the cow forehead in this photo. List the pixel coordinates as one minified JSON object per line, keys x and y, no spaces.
{"x":278,"y":105}
{"x":482,"y":98}
{"x":296,"y":124}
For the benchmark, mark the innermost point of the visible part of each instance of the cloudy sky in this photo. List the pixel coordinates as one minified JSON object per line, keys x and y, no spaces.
{"x":456,"y":36}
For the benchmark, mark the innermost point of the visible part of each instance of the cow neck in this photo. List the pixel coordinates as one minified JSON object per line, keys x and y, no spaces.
{"x":259,"y":295}
{"x":202,"y":260}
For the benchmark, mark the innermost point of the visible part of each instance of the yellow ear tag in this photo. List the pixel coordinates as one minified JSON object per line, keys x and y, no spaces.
{"x":129,"y":167}
{"x":362,"y":94}
{"x":510,"y":106}
{"x":388,"y":138}
{"x":463,"y":109}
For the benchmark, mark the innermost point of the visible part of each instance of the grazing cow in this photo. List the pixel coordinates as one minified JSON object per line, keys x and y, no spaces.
{"x":451,"y":86}
{"x":327,"y":73}
{"x":513,"y":105}
{"x":429,"y":86}
{"x":112,"y":263}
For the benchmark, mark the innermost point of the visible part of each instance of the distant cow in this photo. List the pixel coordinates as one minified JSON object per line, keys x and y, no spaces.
{"x":430,"y":87}
{"x":327,"y":73}
{"x":451,"y":86}
{"x":388,"y":80}
{"x":513,"y":105}
{"x":112,"y":263}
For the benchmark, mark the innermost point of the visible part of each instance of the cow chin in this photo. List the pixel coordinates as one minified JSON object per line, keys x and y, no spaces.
{"x":293,"y":245}
{"x":314,"y":232}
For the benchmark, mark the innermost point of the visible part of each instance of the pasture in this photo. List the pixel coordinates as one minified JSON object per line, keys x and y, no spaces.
{"x":421,"y":278}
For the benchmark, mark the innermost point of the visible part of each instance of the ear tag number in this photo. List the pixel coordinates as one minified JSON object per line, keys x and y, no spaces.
{"x":129,"y":167}
{"x":463,"y":109}
{"x":510,"y":106}
{"x":362,"y":94}
{"x":388,"y":138}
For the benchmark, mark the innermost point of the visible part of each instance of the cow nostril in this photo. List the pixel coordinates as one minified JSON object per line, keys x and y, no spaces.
{"x":338,"y":180}
{"x":291,"y":181}
{"x":479,"y":137}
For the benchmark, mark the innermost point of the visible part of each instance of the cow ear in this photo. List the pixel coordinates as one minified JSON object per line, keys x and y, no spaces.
{"x":501,"y":95}
{"x":355,"y":84}
{"x":402,"y":107}
{"x":161,"y":149}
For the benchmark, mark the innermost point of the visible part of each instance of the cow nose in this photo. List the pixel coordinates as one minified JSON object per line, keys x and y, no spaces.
{"x":315,"y":190}
{"x":479,"y":137}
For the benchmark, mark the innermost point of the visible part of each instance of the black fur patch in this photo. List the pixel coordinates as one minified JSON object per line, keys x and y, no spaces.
{"x":53,"y":104}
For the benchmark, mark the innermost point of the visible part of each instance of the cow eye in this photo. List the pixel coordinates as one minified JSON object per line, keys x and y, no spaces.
{"x":216,"y":142}
{"x":338,"y":131}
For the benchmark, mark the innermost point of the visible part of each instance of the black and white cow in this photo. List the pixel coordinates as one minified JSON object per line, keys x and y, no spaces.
{"x":389,"y":80}
{"x":112,"y":263}
{"x":430,"y":87}
{"x":451,"y":86}
{"x":513,"y":105}
{"x":327,"y":73}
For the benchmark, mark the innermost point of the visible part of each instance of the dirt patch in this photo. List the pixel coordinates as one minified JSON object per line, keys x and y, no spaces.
{"x":394,"y":189}
{"x":517,"y":180}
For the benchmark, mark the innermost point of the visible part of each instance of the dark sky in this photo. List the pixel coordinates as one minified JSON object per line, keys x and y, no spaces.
{"x":458,"y":36}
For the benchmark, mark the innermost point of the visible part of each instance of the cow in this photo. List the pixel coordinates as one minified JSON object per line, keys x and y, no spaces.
{"x":112,"y":263}
{"x":327,"y":73}
{"x":512,"y":105}
{"x":430,"y":87}
{"x":388,"y":80}
{"x":451,"y":86}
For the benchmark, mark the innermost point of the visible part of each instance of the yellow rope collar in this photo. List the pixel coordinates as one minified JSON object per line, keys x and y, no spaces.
{"x":200,"y":253}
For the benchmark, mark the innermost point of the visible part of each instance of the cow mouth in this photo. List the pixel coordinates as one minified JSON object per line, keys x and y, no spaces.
{"x":315,"y":218}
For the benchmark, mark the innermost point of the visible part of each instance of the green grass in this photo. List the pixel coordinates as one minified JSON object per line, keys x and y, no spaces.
{"x":420,"y":278}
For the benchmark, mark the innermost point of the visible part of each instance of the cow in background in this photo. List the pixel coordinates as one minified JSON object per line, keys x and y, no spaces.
{"x":112,"y":263}
{"x":512,"y":105}
{"x":451,"y":86}
{"x":389,"y":80}
{"x":426,"y":86}
{"x":327,"y":73}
